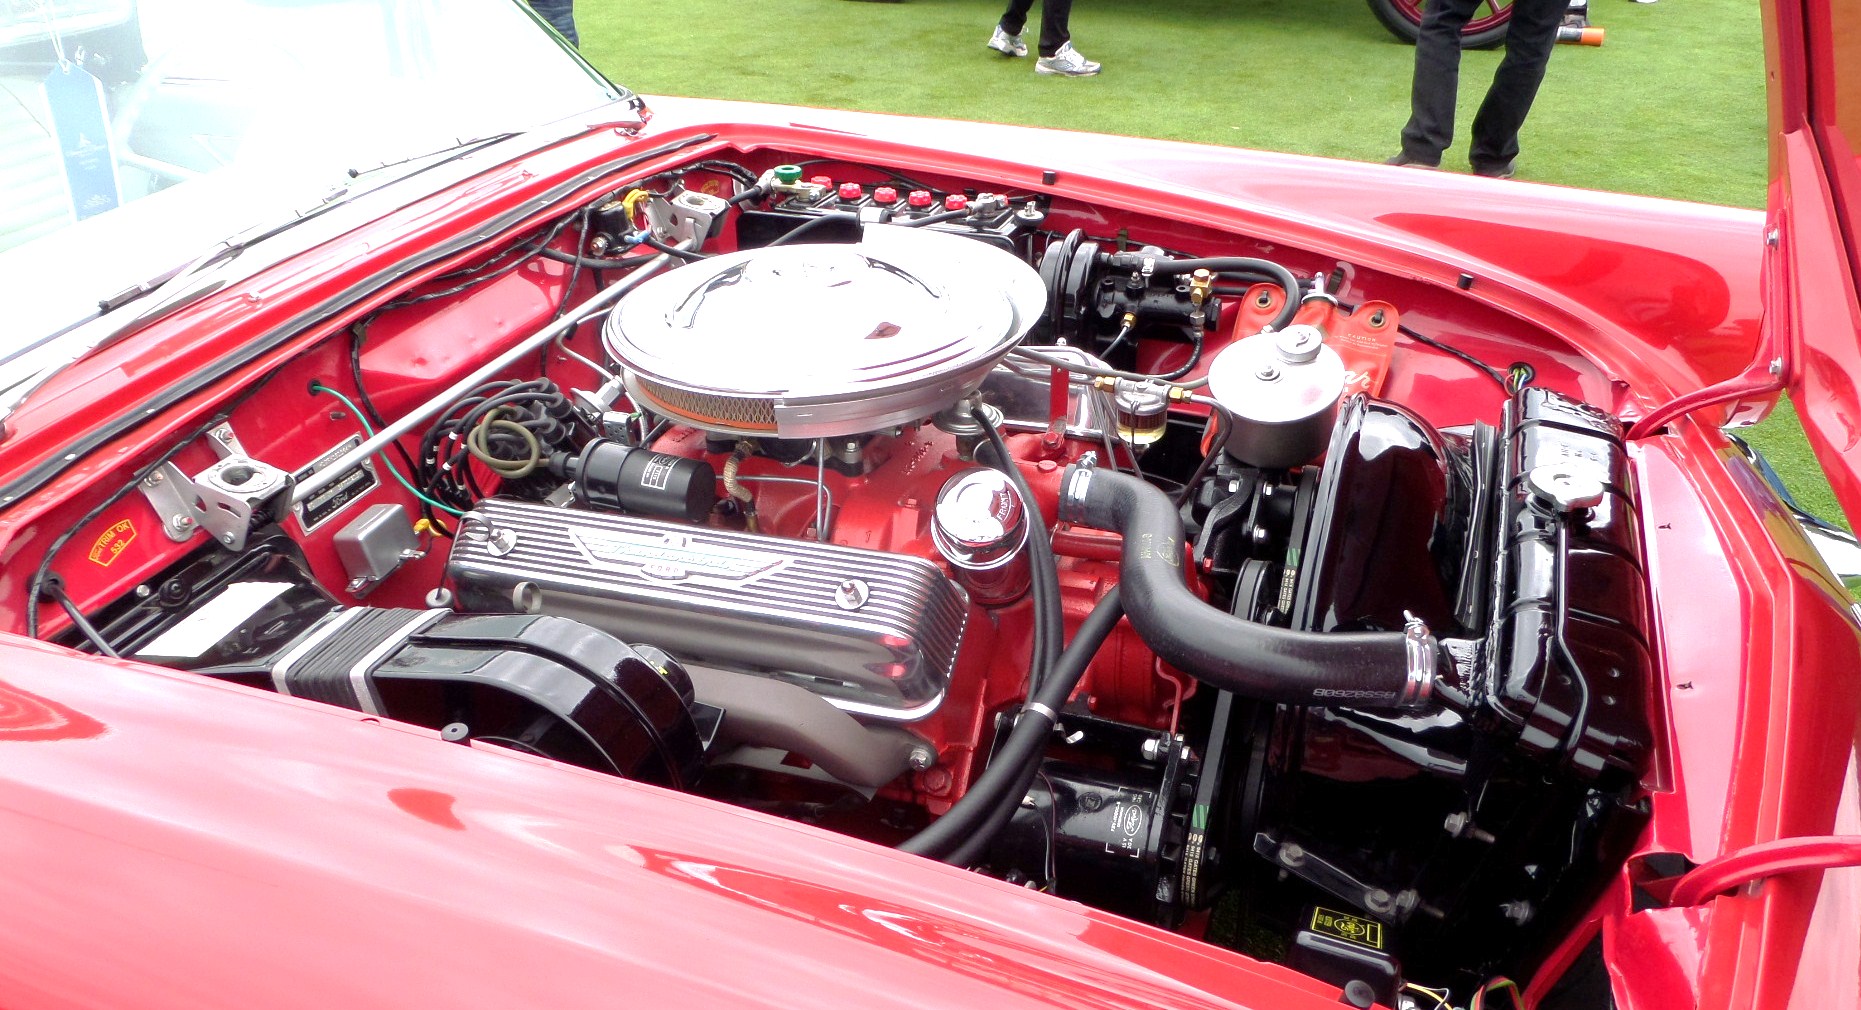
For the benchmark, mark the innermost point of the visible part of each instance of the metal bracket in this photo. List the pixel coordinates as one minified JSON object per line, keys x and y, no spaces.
{"x":687,"y":216}
{"x":221,"y":499}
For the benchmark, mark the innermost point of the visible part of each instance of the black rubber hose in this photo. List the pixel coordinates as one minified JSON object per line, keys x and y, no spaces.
{"x":1223,"y":422}
{"x":593,"y":262}
{"x":688,"y":255}
{"x":977,"y":845}
{"x":838,"y":216}
{"x":1257,"y":661}
{"x":1024,"y":746}
{"x":1044,"y":583}
{"x":1224,"y":264}
{"x":937,"y":218}
{"x":745,"y":196}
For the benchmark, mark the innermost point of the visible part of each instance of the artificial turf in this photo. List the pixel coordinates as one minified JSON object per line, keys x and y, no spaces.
{"x":1671,"y":105}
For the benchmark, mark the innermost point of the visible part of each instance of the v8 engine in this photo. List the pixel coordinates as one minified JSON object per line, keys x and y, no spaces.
{"x":1102,"y":567}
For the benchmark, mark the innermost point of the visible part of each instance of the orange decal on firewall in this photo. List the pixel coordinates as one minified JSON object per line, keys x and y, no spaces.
{"x":113,"y":542}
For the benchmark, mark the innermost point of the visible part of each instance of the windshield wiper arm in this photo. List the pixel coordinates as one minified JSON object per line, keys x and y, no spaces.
{"x":224,"y":248}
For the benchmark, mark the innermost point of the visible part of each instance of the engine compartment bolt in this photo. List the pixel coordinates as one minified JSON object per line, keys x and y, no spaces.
{"x":1152,"y":748}
{"x":1460,"y":824}
{"x":500,"y":542}
{"x":852,"y":594}
{"x":922,"y":758}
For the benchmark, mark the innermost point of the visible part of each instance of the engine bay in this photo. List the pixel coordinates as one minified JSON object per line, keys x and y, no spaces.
{"x":1206,"y":581}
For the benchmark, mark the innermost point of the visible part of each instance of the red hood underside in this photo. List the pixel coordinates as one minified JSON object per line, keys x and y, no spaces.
{"x":285,"y":854}
{"x":1813,"y":53}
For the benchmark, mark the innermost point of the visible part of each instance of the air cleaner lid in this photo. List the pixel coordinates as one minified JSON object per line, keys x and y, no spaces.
{"x":820,"y":340}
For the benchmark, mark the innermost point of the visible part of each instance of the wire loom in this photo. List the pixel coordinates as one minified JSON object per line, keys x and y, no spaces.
{"x":510,"y":428}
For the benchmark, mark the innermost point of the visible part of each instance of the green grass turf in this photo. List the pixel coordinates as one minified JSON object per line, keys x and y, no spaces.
{"x":1671,"y":105}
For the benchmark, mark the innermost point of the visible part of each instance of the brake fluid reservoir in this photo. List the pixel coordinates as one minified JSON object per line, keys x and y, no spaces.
{"x":1283,"y":390}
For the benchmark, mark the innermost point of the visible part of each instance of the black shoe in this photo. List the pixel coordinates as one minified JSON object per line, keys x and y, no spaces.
{"x":1502,"y":171}
{"x":1410,"y":162}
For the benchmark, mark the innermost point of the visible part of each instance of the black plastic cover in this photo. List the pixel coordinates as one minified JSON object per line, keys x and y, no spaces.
{"x":547,"y":685}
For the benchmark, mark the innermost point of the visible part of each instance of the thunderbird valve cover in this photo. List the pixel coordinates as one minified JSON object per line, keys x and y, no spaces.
{"x":875,"y":634}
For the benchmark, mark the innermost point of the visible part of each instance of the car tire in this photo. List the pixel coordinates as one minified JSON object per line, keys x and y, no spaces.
{"x":1403,"y":18}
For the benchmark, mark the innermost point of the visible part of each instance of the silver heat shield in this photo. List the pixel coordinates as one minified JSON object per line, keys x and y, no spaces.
{"x":875,"y":634}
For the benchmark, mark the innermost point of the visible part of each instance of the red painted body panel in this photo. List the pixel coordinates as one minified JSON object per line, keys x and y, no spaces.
{"x":242,"y":850}
{"x":1815,"y":200}
{"x":1762,"y":652}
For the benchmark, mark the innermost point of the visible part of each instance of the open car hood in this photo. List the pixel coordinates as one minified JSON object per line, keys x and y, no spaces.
{"x":1813,"y":57}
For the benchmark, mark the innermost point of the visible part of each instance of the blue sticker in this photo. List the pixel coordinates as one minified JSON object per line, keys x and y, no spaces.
{"x":83,"y":130}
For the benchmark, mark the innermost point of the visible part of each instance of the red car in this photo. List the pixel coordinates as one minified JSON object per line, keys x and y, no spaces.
{"x":754,"y":556}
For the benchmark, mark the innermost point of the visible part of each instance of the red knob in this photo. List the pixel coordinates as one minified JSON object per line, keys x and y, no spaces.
{"x":885,"y":194}
{"x":920,"y":198}
{"x":851,"y":191}
{"x":823,"y":180}
{"x":955,"y":201}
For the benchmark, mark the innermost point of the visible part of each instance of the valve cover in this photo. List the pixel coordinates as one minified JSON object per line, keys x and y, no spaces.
{"x":876,"y":634}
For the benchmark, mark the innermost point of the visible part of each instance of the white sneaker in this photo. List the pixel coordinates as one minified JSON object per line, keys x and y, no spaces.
{"x":1006,"y":44}
{"x":1067,"y":62}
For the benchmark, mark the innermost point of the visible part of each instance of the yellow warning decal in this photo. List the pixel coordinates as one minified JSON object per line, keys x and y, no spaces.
{"x":1344,"y":926}
{"x":105,"y":549}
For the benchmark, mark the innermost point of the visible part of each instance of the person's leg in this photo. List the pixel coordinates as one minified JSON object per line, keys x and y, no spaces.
{"x":1054,"y":33}
{"x":1430,"y":129}
{"x":1015,"y":18}
{"x":1530,"y":37}
{"x":561,"y":14}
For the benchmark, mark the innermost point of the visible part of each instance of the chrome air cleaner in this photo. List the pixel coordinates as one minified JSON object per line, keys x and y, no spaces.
{"x":812,"y":341}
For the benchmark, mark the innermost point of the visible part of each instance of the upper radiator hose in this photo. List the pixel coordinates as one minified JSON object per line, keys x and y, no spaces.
{"x":1362,"y":669}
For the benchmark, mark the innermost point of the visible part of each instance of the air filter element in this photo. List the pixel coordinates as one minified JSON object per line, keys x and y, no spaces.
{"x":812,"y":341}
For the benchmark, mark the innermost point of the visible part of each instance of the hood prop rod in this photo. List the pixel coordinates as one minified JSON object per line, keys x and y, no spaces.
{"x":408,"y":422}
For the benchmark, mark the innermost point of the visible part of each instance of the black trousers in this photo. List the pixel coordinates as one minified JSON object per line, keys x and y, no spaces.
{"x":561,"y":15}
{"x":1530,"y":37}
{"x":1053,"y":15}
